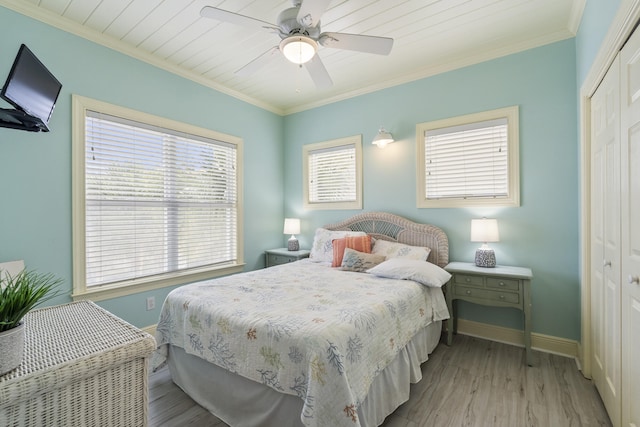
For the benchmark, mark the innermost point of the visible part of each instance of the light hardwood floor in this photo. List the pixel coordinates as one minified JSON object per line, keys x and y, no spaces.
{"x":472,"y":383}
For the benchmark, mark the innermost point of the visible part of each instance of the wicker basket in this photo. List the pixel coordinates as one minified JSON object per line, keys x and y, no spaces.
{"x":82,"y":366}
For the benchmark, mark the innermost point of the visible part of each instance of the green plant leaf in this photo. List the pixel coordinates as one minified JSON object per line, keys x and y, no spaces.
{"x":21,"y":293}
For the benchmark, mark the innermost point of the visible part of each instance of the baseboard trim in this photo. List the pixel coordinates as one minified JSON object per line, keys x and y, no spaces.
{"x":151,"y":329}
{"x":541,"y":342}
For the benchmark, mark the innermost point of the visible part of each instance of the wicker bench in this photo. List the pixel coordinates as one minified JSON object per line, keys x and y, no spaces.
{"x":82,"y":366}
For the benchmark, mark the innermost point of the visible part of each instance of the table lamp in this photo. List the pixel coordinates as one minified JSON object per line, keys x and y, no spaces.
{"x":292,"y":226}
{"x":485,"y":230}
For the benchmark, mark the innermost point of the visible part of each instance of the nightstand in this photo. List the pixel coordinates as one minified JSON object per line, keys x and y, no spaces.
{"x":499,"y":286}
{"x":283,"y":256}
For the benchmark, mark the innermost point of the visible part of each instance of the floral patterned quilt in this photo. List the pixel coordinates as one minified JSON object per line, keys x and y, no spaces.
{"x":301,"y":328}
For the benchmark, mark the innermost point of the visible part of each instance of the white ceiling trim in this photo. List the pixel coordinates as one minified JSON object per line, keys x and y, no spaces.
{"x":576,"y":15}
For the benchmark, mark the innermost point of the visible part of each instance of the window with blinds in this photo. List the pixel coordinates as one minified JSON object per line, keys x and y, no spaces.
{"x":333,"y":174}
{"x":159,"y":201}
{"x":469,"y":161}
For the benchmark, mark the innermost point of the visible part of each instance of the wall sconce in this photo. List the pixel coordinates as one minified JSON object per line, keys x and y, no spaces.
{"x":292,"y":226}
{"x":485,"y":230}
{"x":383,"y":138}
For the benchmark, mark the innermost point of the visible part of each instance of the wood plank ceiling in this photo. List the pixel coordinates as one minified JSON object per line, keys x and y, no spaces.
{"x":430,"y":36}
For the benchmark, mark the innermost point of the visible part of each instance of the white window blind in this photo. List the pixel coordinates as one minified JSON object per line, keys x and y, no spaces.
{"x":467,"y":161}
{"x":332,"y":174}
{"x":157,"y":200}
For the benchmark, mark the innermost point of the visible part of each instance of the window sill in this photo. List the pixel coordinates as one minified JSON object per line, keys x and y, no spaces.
{"x":101,"y":293}
{"x":469,"y":203}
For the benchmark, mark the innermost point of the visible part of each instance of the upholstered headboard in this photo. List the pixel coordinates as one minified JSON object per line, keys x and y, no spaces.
{"x":381,"y":225}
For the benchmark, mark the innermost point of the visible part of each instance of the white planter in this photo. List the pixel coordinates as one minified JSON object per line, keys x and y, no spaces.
{"x":11,"y":348}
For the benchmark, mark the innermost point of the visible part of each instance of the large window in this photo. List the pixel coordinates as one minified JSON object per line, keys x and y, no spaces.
{"x":156,"y":202}
{"x":333,"y":174}
{"x":469,"y":160}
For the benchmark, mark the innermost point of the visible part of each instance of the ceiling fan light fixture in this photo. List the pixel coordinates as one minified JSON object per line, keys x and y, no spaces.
{"x":298,"y":49}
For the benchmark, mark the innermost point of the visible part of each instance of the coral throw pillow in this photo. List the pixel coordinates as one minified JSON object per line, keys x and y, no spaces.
{"x":358,"y":243}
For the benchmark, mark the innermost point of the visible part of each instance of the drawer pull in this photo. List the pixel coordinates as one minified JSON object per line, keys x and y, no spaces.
{"x":501,"y":296}
{"x":468,"y":292}
{"x":501,"y":284}
{"x":467,"y":279}
{"x":634,"y":279}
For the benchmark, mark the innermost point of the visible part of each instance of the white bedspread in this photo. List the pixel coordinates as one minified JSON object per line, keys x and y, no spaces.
{"x":301,"y":328}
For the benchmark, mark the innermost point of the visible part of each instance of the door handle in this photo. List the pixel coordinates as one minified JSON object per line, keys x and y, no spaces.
{"x":634,"y":279}
{"x":606,"y":263}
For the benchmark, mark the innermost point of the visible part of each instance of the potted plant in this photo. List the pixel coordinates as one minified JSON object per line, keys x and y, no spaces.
{"x":18,"y":295}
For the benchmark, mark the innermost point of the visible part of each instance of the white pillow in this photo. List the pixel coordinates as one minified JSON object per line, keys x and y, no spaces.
{"x":399,"y":250}
{"x":322,"y":249}
{"x":410,"y":269}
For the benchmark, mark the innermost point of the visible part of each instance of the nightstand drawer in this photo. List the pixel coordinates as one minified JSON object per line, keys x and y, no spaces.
{"x":469,"y":292}
{"x":464,"y":279}
{"x":279,"y":259}
{"x":508,"y":297}
{"x":509,"y":284}
{"x":485,"y":294}
{"x":283,"y":256}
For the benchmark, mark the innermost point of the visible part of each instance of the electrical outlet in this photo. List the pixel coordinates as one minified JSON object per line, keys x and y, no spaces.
{"x":151,"y":303}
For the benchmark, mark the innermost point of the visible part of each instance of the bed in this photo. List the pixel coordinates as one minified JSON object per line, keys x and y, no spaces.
{"x":305,"y":344}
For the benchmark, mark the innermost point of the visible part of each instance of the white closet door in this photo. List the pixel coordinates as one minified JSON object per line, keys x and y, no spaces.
{"x":630,"y":186}
{"x":605,"y":250}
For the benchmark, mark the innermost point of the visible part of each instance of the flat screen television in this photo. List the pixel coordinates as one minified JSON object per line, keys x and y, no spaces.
{"x":32,"y":89}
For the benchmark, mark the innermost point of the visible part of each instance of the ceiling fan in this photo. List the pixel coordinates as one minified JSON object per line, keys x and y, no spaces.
{"x":299,"y":31}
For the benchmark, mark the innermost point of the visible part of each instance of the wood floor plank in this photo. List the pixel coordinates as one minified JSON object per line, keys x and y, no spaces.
{"x":472,"y":383}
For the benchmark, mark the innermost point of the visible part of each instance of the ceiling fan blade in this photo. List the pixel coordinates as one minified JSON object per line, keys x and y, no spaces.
{"x":318,"y":73}
{"x":311,"y":11}
{"x":257,"y":63}
{"x":357,"y":42}
{"x":233,"y":18}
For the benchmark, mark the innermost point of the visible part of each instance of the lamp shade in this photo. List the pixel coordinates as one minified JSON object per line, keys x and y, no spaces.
{"x":484,"y":230}
{"x":382,"y":138}
{"x":291,"y":226}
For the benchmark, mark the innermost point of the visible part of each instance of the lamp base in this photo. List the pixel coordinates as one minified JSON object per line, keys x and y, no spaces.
{"x":293,"y":245}
{"x":485,"y":258}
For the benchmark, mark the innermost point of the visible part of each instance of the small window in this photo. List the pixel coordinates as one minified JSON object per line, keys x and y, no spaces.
{"x":156,"y":202}
{"x":469,"y":160}
{"x":333,"y":174}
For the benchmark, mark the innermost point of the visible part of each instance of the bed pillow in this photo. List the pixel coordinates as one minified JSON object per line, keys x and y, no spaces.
{"x":359,"y":243}
{"x":420,"y":271}
{"x":322,"y":249}
{"x":359,"y":261}
{"x":400,"y":250}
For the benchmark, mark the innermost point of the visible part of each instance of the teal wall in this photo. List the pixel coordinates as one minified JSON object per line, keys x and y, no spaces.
{"x":596,"y":20}
{"x":35,"y":176}
{"x":541,"y":234}
{"x":35,"y":171}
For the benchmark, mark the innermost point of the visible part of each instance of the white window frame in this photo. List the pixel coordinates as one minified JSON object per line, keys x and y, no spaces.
{"x":80,"y":106}
{"x":309,"y":149}
{"x":513,"y":159}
